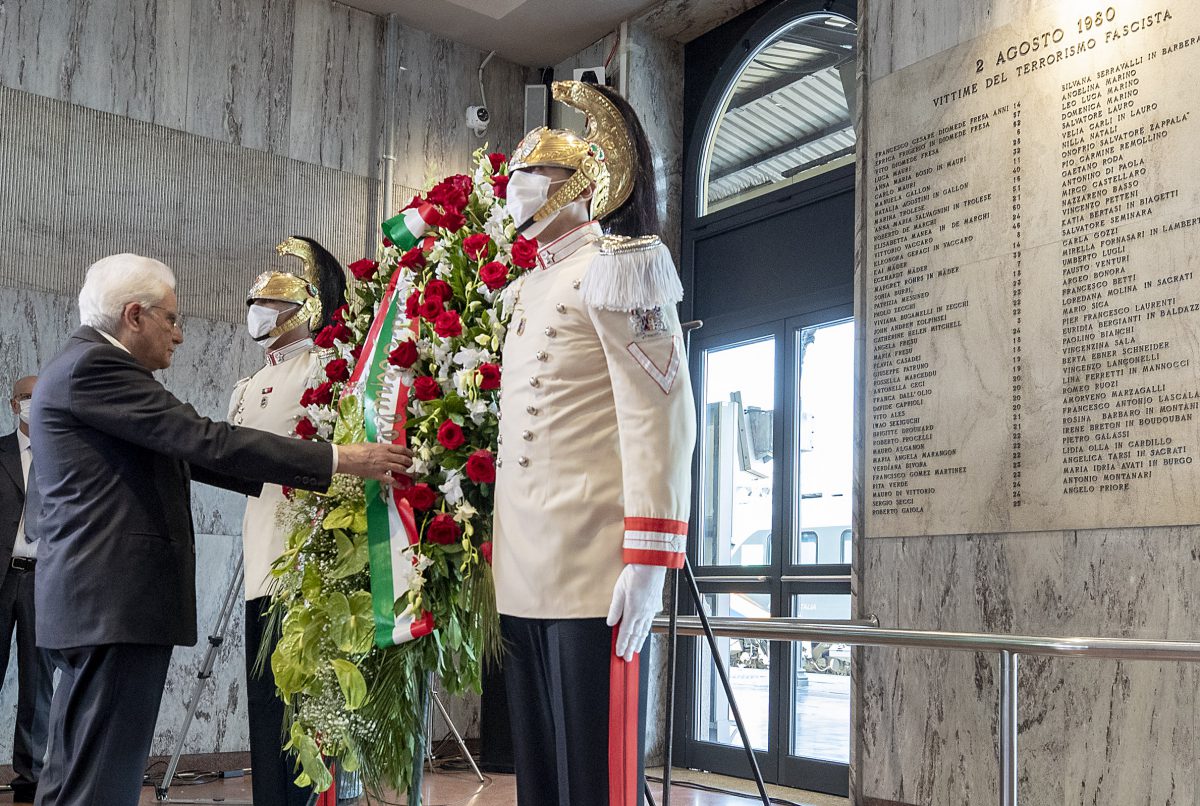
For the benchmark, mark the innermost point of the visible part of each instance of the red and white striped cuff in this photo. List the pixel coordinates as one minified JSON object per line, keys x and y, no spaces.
{"x":655,"y":541}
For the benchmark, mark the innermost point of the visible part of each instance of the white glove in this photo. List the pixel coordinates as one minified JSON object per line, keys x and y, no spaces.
{"x":637,"y":598}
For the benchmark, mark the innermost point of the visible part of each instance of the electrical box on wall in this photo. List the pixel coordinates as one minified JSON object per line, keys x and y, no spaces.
{"x":537,"y":106}
{"x":590,"y":75}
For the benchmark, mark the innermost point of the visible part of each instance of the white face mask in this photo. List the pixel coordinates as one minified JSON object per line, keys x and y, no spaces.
{"x":260,"y":320}
{"x":526,"y":194}
{"x":23,"y":409}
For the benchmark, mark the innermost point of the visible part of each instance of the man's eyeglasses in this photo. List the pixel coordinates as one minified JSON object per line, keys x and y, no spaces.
{"x":173,"y":319}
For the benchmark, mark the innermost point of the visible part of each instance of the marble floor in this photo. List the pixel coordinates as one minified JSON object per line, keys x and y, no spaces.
{"x":463,"y":789}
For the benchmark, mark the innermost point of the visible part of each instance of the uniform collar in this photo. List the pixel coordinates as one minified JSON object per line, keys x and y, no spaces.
{"x":276,"y":357}
{"x":564,"y":246}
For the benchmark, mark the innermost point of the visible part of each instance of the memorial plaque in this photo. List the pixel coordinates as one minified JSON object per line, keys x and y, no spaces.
{"x":1033,"y":311}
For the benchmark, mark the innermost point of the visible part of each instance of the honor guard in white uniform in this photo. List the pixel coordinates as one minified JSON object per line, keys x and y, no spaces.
{"x":596,"y":436}
{"x":285,"y":310}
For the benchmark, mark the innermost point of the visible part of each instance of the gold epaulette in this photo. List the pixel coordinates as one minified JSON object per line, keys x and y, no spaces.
{"x":627,"y":244}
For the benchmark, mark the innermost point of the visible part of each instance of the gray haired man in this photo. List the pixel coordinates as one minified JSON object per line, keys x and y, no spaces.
{"x":116,"y":455}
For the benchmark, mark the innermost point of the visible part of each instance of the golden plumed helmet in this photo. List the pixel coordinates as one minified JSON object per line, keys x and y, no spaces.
{"x":604,"y":155}
{"x":284,"y":286}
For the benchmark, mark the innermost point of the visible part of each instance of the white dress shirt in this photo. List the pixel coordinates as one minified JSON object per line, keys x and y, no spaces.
{"x":21,"y":548}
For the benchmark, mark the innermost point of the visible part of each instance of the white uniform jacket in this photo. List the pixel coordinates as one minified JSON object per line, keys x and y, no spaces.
{"x":596,"y":436}
{"x":269,"y":400}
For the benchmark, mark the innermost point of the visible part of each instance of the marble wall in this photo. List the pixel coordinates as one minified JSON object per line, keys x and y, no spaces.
{"x":203,"y":131}
{"x":1093,"y":732}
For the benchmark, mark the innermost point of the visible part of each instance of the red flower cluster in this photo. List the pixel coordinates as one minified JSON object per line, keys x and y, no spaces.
{"x":442,"y":530}
{"x":364,"y":269}
{"x":500,"y":186}
{"x":494,"y":275}
{"x":420,"y":496}
{"x":448,"y":324}
{"x":335,"y":332}
{"x":489,"y":377}
{"x":426,"y":388}
{"x":451,"y":435}
{"x":337,"y":370}
{"x":339,"y":316}
{"x":524,"y":252}
{"x":318,"y":396}
{"x":305,"y":428}
{"x":413,"y":259}
{"x":404,"y":356}
{"x":481,"y":467}
{"x":497,"y":160}
{"x":486,"y":550}
{"x":476,"y":246}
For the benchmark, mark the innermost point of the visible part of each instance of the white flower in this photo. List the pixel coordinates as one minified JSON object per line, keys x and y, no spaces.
{"x":452,"y":487}
{"x":443,"y":269}
{"x":420,"y":467}
{"x":464,"y":512}
{"x":479,"y":410}
{"x":470,"y":357}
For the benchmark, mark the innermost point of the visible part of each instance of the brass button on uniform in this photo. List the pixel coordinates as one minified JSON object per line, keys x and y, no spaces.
{"x":575,"y":285}
{"x":541,"y":355}
{"x":551,"y":332}
{"x":523,"y":461}
{"x":560,"y":308}
{"x":532,"y":410}
{"x":527,"y":435}
{"x":535,"y":383}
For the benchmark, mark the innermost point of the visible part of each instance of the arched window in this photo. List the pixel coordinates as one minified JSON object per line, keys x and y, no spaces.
{"x":786,"y":116}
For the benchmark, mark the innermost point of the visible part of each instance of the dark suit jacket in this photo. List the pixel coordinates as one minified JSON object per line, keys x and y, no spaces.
{"x":114,"y":455}
{"x":12,"y":498}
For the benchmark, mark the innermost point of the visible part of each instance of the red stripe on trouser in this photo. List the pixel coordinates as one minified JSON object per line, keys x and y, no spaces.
{"x":623,"y":682}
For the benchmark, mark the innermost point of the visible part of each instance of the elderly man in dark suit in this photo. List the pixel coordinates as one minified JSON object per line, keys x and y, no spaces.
{"x":18,"y":556}
{"x":115,"y":455}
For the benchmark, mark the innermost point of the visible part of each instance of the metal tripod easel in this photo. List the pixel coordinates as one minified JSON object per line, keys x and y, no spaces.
{"x":215,"y":640}
{"x":672,"y":641}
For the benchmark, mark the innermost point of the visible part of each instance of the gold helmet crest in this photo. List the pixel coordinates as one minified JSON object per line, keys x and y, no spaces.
{"x":604,"y":155}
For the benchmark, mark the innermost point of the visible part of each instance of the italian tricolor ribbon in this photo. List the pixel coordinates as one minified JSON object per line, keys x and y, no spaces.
{"x":392,"y":530}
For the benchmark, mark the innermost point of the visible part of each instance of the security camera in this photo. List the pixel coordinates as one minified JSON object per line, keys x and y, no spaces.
{"x":477,"y":119}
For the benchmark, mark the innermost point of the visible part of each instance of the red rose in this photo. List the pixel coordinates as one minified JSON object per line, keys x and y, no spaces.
{"x":318,"y":396}
{"x":426,"y":388}
{"x":421,"y":496}
{"x":413,"y":259}
{"x":500,"y":186}
{"x":462,"y":182}
{"x":494,"y":275}
{"x":450,"y":435}
{"x":486,"y":550}
{"x":305,"y":429}
{"x":412,"y":305}
{"x":476,"y":245}
{"x":288,"y":492}
{"x":432,"y":308}
{"x":481,"y":467}
{"x":453,"y":221}
{"x":439,"y":288}
{"x":388,"y":242}
{"x":404,"y":356}
{"x":341,"y":333}
{"x":337,"y":370}
{"x":497,"y":160}
{"x":442,"y":530}
{"x":339,"y":315}
{"x":524,"y":252}
{"x":364,"y":269}
{"x":448,"y":325}
{"x":489,"y":377}
{"x":324,"y":338}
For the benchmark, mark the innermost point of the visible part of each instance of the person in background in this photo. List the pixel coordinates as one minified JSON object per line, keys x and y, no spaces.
{"x":284,"y":311}
{"x":18,"y":561}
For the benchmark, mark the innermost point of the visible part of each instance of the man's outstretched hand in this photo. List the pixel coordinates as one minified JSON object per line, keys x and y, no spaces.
{"x":383,"y":462}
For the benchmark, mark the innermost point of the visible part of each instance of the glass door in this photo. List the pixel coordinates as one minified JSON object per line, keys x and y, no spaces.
{"x":773,"y":538}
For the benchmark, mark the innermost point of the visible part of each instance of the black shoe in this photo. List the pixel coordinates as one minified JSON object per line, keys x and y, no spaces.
{"x":24,"y":793}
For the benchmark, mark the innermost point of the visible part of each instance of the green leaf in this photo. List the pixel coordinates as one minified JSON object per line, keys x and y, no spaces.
{"x":351,"y":555}
{"x":352,"y":683}
{"x":312,"y":584}
{"x":341,"y":517}
{"x":285,"y":666}
{"x":311,"y":763}
{"x":351,"y":624}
